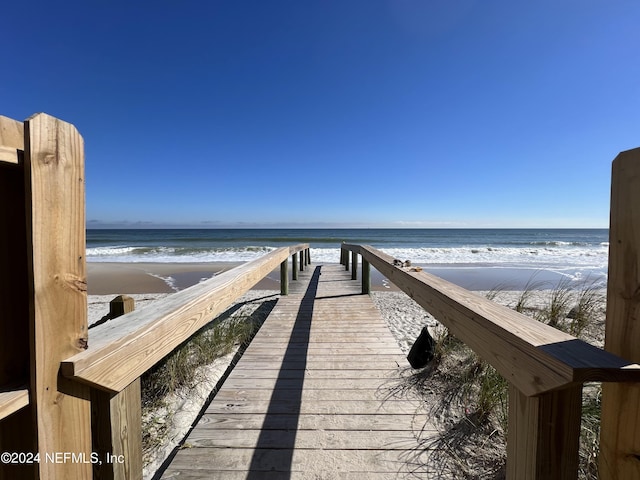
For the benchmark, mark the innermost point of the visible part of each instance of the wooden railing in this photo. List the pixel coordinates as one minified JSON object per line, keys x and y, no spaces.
{"x":121,"y":350}
{"x":546,"y":368}
{"x":70,"y":399}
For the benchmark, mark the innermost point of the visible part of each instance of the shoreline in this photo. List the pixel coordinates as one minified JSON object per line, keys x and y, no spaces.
{"x":114,"y":278}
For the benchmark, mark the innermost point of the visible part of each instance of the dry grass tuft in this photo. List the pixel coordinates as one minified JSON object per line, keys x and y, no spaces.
{"x":181,"y":370}
{"x":470,"y":398}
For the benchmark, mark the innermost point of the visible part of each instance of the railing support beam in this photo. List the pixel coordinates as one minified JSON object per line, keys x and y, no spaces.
{"x":544,"y":434}
{"x":354,"y":265}
{"x":620,"y":425}
{"x":284,"y":277}
{"x":55,"y":210}
{"x":116,"y":420}
{"x":366,"y":276}
{"x":294,"y":266}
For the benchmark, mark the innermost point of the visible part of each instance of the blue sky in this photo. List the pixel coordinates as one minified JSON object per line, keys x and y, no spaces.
{"x":416,"y":113}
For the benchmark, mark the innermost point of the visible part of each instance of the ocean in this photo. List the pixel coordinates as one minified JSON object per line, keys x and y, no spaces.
{"x":497,"y":255}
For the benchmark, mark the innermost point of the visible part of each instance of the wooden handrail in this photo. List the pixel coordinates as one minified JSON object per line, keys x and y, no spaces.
{"x":121,"y":350}
{"x":532,"y":356}
{"x":10,"y":155}
{"x":13,"y":400}
{"x":545,"y":368}
{"x":11,"y":140}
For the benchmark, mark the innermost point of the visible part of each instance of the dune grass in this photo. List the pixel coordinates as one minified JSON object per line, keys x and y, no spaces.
{"x":182,"y":370}
{"x":472,"y":399}
{"x":179,"y":370}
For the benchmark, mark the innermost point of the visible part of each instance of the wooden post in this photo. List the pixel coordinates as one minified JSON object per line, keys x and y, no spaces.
{"x":14,"y":299}
{"x":620,"y":421}
{"x":346,"y":260}
{"x":17,"y":433}
{"x":54,"y":191}
{"x":120,"y":305}
{"x":366,"y":276}
{"x":354,"y":265}
{"x":284,"y":277}
{"x":308,"y":253}
{"x":294,"y":266}
{"x":301,"y":254}
{"x":116,"y":421}
{"x":544,"y":434}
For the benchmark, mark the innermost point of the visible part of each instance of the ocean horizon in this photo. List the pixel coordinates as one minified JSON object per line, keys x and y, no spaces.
{"x":498,"y":254}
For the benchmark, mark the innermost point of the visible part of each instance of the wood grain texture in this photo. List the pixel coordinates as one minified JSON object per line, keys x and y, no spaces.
{"x":316,"y":395}
{"x":11,"y":133}
{"x":123,"y":349}
{"x":532,"y":356}
{"x":126,"y":424}
{"x":54,"y":161}
{"x":620,"y":421}
{"x":11,"y":142}
{"x":9,"y":155}
{"x":544,"y":434}
{"x":116,"y":420}
{"x":13,"y":400}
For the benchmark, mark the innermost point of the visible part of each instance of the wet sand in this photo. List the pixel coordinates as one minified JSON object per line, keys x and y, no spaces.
{"x":128,"y":278}
{"x":119,"y":278}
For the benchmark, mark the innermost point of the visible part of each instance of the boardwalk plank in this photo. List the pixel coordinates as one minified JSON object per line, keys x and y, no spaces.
{"x":358,"y":421}
{"x":314,"y":373}
{"x":307,"y":439}
{"x":319,"y":407}
{"x":229,"y":395}
{"x":315,"y":463}
{"x":318,"y":394}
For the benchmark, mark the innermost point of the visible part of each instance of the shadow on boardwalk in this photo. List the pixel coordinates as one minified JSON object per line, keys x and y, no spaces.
{"x":287,"y":391}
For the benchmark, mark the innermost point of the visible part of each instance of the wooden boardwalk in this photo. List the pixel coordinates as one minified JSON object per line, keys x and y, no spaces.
{"x":312,"y":396}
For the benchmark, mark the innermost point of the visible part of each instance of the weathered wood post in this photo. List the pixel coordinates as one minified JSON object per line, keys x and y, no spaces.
{"x":55,"y":209}
{"x":294,"y":266}
{"x":366,"y":276}
{"x":284,"y":277}
{"x":308,"y":254}
{"x":116,"y":421}
{"x":346,"y":260}
{"x":620,"y":422}
{"x":302,"y":263}
{"x":354,"y":265}
{"x":120,"y":305}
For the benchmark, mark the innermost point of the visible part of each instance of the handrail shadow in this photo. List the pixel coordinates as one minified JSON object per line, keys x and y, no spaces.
{"x":277,"y":453}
